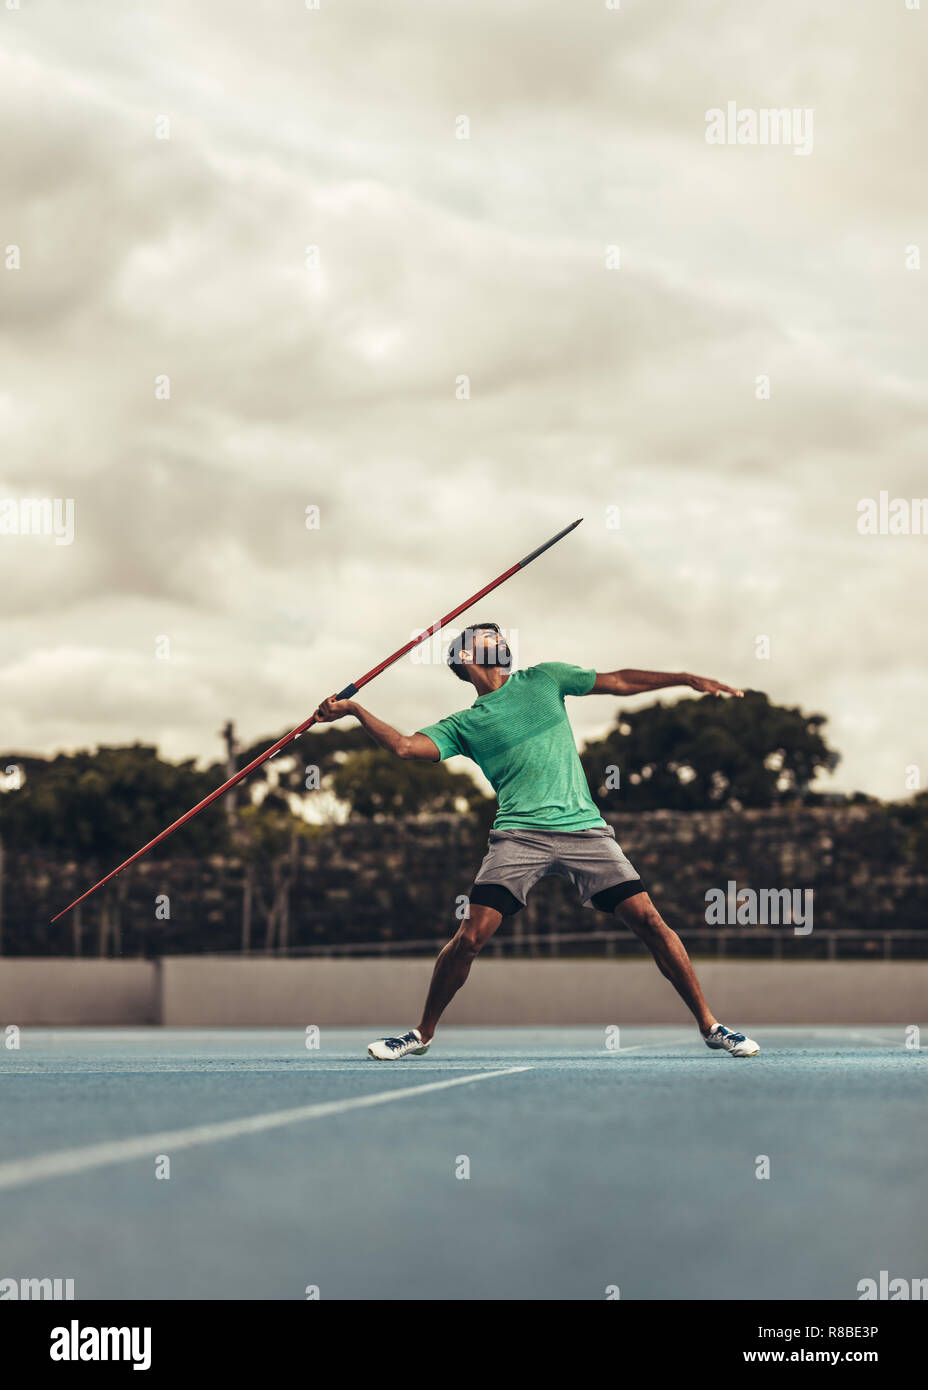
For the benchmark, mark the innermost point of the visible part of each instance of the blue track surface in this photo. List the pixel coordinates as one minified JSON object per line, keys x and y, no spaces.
{"x":590,"y":1168}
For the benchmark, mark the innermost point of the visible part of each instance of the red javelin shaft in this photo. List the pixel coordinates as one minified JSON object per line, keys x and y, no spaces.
{"x":345,"y":694}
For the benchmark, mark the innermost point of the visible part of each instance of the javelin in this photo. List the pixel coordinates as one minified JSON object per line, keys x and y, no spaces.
{"x":345,"y":694}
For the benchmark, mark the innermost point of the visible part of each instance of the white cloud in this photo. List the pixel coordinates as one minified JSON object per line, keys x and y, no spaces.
{"x":441,"y":257}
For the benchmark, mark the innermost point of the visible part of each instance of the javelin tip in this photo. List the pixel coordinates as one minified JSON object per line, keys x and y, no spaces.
{"x":548,"y":544}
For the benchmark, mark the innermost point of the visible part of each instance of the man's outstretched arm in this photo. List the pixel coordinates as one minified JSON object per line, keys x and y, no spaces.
{"x":418,"y":746}
{"x":630,"y":682}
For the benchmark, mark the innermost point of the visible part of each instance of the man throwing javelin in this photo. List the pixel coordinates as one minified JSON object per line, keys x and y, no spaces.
{"x":518,"y":734}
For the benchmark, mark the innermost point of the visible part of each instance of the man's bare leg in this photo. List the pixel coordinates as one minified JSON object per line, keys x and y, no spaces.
{"x":641,"y":916}
{"x":453,"y":964}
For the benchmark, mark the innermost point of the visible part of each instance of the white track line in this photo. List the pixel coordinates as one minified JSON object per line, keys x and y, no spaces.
{"x":839,"y":1033}
{"x":889,"y":1042}
{"x":242,"y":1069}
{"x":640,"y":1047}
{"x":859,"y":1035}
{"x":63,"y":1162}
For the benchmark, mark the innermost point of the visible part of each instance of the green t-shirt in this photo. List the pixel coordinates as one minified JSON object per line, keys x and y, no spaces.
{"x":520,"y":738}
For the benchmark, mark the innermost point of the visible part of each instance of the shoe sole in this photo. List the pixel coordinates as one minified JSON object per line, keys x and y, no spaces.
{"x":413,"y":1052}
{"x":718,"y":1047}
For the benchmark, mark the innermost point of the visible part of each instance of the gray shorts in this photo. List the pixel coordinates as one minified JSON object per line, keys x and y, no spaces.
{"x":590,"y":859}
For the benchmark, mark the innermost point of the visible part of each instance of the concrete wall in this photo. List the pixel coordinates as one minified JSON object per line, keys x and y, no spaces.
{"x":63,"y":992}
{"x":386,"y":994}
{"x":203,"y":991}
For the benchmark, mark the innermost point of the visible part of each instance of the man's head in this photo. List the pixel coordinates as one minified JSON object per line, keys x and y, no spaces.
{"x":482,"y":644}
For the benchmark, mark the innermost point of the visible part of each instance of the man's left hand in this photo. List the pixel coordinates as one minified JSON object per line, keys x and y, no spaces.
{"x":706,"y":686}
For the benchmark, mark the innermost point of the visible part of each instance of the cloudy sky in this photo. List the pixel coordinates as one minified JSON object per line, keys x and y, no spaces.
{"x":331,"y":378}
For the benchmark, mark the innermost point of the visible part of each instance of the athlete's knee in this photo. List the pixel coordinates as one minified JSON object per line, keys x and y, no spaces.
{"x":470,"y":941}
{"x":641,"y":916}
{"x":476,"y":930}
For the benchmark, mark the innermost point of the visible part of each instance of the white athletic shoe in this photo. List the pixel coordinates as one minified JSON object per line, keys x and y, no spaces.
{"x":722,"y":1039}
{"x":391,"y":1049}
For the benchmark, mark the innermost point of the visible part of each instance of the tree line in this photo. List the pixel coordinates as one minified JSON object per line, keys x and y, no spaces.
{"x":102,"y":804}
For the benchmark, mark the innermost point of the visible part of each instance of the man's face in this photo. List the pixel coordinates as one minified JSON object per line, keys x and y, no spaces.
{"x":488,"y":648}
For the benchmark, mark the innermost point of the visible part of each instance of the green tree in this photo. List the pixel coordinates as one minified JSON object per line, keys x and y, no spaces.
{"x":374,"y":783}
{"x":269,"y":839}
{"x":913,"y":816}
{"x":325,"y":748}
{"x":103,"y":805}
{"x":705,"y":753}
